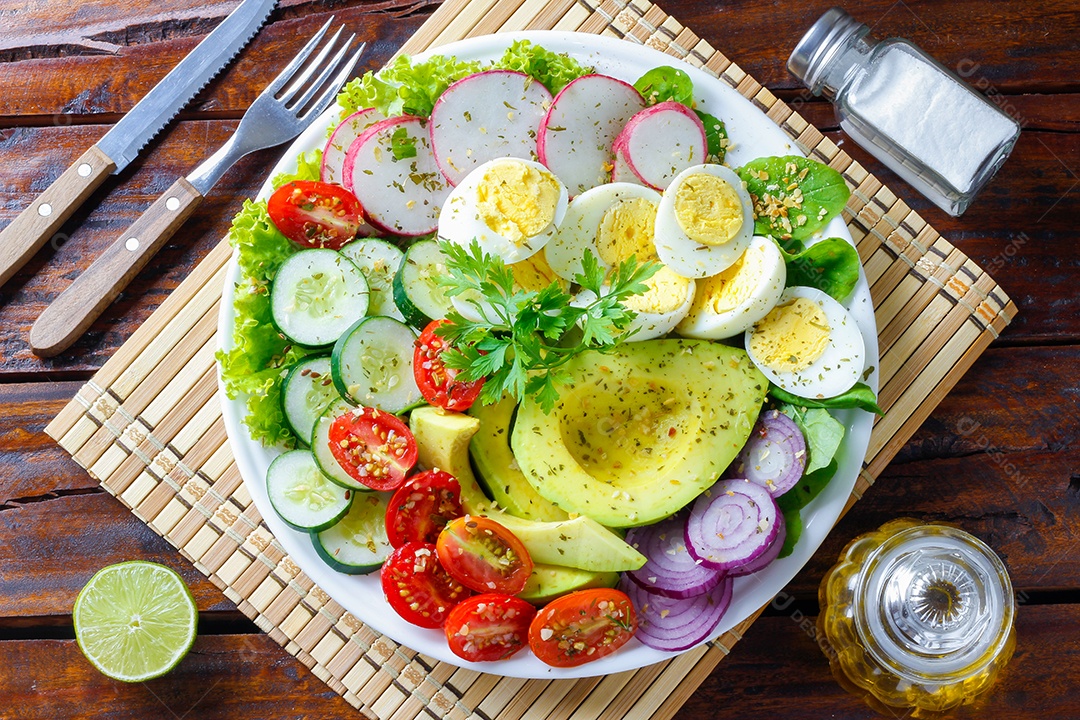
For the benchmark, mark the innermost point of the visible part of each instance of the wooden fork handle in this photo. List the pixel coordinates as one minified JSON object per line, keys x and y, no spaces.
{"x":25,"y":235}
{"x":84,"y":300}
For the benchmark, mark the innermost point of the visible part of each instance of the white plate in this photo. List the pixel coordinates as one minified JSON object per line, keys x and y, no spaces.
{"x":753,"y":135}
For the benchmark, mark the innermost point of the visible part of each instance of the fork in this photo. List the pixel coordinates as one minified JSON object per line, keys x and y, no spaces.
{"x":284,"y":109}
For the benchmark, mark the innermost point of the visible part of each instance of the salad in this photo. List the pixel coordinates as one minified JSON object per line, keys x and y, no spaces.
{"x":539,"y":358}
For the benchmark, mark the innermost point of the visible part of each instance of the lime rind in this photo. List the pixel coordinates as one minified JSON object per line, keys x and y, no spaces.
{"x":135,"y":621}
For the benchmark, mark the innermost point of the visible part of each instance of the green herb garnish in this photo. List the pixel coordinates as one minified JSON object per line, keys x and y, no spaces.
{"x":526,"y":337}
{"x":402,"y":145}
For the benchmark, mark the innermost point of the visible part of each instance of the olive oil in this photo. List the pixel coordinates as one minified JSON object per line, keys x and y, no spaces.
{"x":917,"y":616}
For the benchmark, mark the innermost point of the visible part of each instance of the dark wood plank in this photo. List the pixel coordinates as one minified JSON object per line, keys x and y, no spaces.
{"x":76,"y":60}
{"x":778,"y":670}
{"x":227,"y":675}
{"x":49,"y":549}
{"x":224,"y":676}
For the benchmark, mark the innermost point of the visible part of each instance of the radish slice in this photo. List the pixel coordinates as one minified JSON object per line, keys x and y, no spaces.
{"x":774,"y":456}
{"x":621,"y":172}
{"x":403,"y":197}
{"x":766,"y":557}
{"x":669,"y":570}
{"x":672,"y":624}
{"x":484,"y":116}
{"x":352,"y":127}
{"x":731,"y":524}
{"x":577,"y":134}
{"x":661,"y":141}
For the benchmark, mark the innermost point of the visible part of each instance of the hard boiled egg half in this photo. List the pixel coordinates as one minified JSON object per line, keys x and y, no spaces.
{"x":614,"y":222}
{"x":808,"y":344}
{"x":731,"y":301}
{"x":704,"y":222}
{"x":511,"y":207}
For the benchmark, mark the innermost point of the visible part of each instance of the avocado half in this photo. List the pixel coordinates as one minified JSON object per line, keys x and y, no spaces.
{"x":641,"y":430}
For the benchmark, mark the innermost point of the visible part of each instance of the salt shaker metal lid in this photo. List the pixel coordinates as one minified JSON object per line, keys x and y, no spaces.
{"x":820,"y":44}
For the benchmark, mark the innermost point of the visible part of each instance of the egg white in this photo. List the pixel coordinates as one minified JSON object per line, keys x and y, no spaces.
{"x":688,"y":257}
{"x":838,"y":368}
{"x":580,"y":227}
{"x":460,"y":222}
{"x":701,"y":322}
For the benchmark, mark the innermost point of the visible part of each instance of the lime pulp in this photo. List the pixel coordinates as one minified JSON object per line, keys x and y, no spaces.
{"x":135,"y":620}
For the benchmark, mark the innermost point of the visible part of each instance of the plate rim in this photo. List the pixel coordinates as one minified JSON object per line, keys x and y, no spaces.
{"x":635,"y":656}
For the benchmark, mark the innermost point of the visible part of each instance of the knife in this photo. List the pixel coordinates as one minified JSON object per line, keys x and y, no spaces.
{"x":37,"y":223}
{"x":278,"y":114}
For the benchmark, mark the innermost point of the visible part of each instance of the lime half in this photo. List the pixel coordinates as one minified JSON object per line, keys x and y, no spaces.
{"x":135,"y":620}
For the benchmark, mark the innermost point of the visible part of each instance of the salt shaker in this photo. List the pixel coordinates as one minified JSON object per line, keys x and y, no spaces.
{"x":906,"y":109}
{"x":917,"y":616}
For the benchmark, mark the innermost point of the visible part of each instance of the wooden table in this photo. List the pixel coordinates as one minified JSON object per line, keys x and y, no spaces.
{"x":1000,"y":456}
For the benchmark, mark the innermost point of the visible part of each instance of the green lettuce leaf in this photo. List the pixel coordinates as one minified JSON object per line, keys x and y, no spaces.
{"x":255,"y":366}
{"x":793,"y":197}
{"x":404,"y":87}
{"x":831,"y":265}
{"x":308,"y":167}
{"x":555,"y":71}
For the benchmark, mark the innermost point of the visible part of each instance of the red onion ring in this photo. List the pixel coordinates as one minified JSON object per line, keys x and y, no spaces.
{"x":731,"y":524}
{"x":774,"y":456}
{"x":669,"y":569}
{"x":672,"y":624}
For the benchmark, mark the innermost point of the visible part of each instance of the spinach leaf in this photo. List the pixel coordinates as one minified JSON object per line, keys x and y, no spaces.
{"x":808,"y":488}
{"x":822,"y":431}
{"x":793,"y":197}
{"x":831,"y":265}
{"x":794,"y":525}
{"x":859,"y":396}
{"x":666,"y":83}
{"x":716,"y":136}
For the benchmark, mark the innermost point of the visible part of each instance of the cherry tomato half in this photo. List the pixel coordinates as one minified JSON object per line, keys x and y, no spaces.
{"x":315,"y":214}
{"x":582,"y":626}
{"x":438,"y":383}
{"x":489,"y":627}
{"x":376,"y":448}
{"x":417,"y":586}
{"x":483,"y":555}
{"x":421,"y":507}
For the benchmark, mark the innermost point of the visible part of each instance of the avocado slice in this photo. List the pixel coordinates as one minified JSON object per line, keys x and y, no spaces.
{"x":498,"y":471}
{"x":640,"y":430}
{"x":547,"y":582}
{"x":442,"y":439}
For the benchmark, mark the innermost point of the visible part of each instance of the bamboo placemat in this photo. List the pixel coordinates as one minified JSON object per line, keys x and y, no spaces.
{"x":149,"y":425}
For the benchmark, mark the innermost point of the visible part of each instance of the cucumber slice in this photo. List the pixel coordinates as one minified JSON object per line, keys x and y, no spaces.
{"x":320,"y":447}
{"x":357,"y":544}
{"x":379,"y":261}
{"x":302,"y":495}
{"x":308,"y":389}
{"x":372,"y":364}
{"x":417,"y":292}
{"x":316,"y":295}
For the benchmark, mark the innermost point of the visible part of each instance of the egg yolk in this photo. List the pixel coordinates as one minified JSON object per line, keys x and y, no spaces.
{"x":627,"y":228}
{"x":534,"y":274}
{"x":516,"y":200}
{"x":708,"y":209}
{"x":792,"y":336}
{"x":726,"y":291}
{"x":667,"y":293}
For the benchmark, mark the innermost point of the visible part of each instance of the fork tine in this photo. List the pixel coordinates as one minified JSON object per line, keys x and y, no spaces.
{"x":318,"y":82}
{"x":332,"y":90}
{"x":301,"y":80}
{"x":285,"y":75}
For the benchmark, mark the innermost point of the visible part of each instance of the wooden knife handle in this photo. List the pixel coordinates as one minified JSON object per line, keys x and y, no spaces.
{"x":39,"y":222}
{"x":84,"y":300}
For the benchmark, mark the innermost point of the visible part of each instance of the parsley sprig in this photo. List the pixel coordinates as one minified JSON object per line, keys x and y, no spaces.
{"x":525,"y":337}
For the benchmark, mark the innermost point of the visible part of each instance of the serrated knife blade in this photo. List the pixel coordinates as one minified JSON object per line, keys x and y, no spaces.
{"x":25,"y":235}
